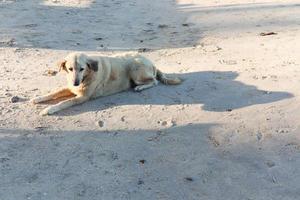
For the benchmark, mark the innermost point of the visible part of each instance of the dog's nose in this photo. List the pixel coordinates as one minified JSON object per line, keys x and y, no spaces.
{"x":76,"y":83}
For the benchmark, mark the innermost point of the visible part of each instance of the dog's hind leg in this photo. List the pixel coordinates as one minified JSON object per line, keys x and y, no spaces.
{"x":57,"y":94}
{"x":143,"y":81}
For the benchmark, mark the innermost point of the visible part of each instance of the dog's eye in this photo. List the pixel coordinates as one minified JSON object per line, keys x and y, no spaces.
{"x":71,"y":69}
{"x":81,"y":69}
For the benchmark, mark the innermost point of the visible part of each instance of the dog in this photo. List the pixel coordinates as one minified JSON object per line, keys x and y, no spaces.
{"x":90,"y":77}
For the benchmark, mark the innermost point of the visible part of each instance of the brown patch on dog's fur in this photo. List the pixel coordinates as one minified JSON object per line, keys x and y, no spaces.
{"x":113,"y":76}
{"x":62,"y":65}
{"x":93,"y":65}
{"x":59,"y":99}
{"x":146,"y":79}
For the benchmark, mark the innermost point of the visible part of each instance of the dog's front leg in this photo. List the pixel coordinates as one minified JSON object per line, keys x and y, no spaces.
{"x":54,"y":95}
{"x":64,"y":104}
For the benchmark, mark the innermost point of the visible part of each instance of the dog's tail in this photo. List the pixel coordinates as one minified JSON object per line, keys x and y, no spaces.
{"x":167,"y":80}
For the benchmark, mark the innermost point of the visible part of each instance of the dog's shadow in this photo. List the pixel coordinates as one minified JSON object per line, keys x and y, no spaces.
{"x":213,"y":90}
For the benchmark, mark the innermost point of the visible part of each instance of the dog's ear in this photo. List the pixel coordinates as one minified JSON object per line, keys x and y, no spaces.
{"x":92,"y":64}
{"x":62,"y":65}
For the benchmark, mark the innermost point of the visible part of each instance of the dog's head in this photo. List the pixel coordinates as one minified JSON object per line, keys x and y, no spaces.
{"x":78,"y":66}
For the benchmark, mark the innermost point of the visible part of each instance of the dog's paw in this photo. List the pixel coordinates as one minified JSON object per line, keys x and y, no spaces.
{"x":139,"y":88}
{"x":35,"y":100}
{"x":44,"y":112}
{"x":48,"y":111}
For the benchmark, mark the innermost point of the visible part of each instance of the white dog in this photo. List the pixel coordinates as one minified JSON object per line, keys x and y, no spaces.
{"x":95,"y":76}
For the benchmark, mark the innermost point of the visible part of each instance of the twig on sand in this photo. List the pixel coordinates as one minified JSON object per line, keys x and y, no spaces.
{"x":267,"y":33}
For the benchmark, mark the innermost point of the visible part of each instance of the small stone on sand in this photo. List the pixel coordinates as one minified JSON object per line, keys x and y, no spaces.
{"x":14,"y":99}
{"x":190,"y":179}
{"x":100,"y":123}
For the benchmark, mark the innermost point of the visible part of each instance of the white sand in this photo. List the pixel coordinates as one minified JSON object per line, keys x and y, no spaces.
{"x":230,"y":131}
